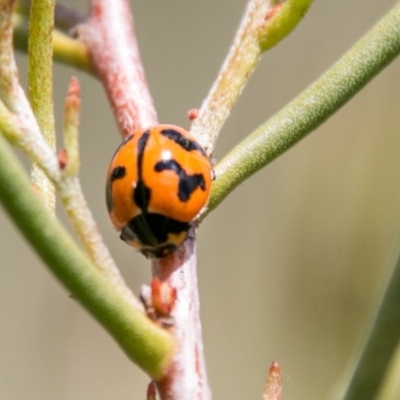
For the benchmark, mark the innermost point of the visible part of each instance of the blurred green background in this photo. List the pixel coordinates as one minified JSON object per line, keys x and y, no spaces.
{"x":291,"y":265}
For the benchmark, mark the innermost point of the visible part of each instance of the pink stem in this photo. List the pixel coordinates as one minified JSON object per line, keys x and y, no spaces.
{"x":115,"y":56}
{"x":187,"y":377}
{"x":273,"y":386}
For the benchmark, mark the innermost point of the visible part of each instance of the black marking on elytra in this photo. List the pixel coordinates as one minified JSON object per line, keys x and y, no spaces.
{"x":187,"y":183}
{"x":117,"y":173}
{"x":152,"y":229}
{"x":183,"y":141}
{"x":141,"y":193}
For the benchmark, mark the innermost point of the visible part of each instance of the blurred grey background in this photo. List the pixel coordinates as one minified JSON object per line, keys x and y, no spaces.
{"x":291,"y":264}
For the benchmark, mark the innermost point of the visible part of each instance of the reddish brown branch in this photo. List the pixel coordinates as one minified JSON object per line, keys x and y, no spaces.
{"x":273,"y":385}
{"x":187,"y":377}
{"x":114,"y":53}
{"x":115,"y":56}
{"x":151,"y":391}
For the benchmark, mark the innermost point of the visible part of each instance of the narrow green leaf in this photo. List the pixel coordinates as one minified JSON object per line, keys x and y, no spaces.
{"x":149,"y":346}
{"x":381,"y":344}
{"x":40,"y":85}
{"x":323,"y":98}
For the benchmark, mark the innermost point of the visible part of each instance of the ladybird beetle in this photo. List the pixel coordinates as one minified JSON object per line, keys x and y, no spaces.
{"x":157,"y":183}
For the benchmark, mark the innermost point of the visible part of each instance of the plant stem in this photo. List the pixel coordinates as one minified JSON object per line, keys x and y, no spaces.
{"x":25,"y":133}
{"x":115,"y":57}
{"x":40,"y":86}
{"x":72,"y":111}
{"x":17,"y":121}
{"x":65,"y":49}
{"x":264,"y":24}
{"x":144,"y":343}
{"x":281,"y":23}
{"x":380,"y":346}
{"x":65,"y":18}
{"x":389,"y":389}
{"x":324,"y":97}
{"x":273,"y":385}
{"x":186,"y":377}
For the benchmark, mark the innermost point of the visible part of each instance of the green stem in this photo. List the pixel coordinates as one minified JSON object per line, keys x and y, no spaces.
{"x":40,"y":85}
{"x":65,"y":18}
{"x":390,"y":387}
{"x":263,"y":26}
{"x":381,"y":344}
{"x":66,"y":50}
{"x":146,"y":344}
{"x":283,"y":23}
{"x":353,"y":71}
{"x":40,"y":66}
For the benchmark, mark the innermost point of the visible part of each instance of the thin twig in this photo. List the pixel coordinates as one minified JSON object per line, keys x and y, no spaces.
{"x":66,"y":49}
{"x":115,"y":57}
{"x":97,"y":284}
{"x":237,"y":68}
{"x":133,"y":110}
{"x":144,"y":343}
{"x":19,"y":125}
{"x":186,"y":377}
{"x":264,"y":24}
{"x":273,"y":385}
{"x":72,"y":111}
{"x":17,"y":119}
{"x":324,"y":97}
{"x":40,"y":88}
{"x":380,"y":346}
{"x":113,"y":49}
